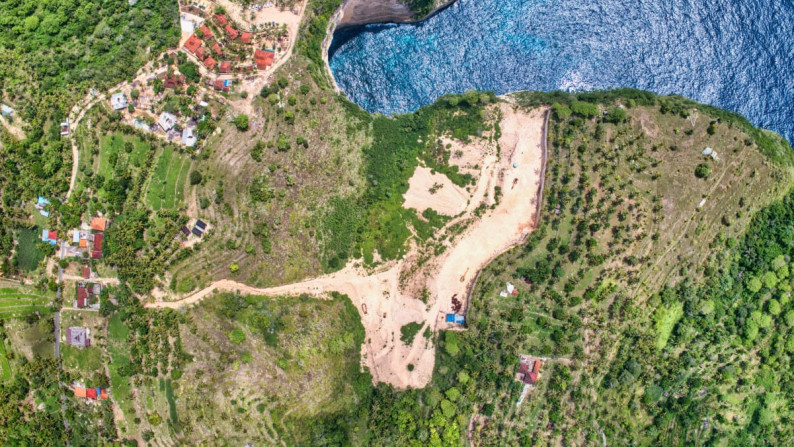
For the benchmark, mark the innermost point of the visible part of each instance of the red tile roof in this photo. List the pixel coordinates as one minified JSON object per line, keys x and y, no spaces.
{"x":192,"y":43}
{"x":221,"y":19}
{"x":231,"y":32}
{"x":226,"y":67}
{"x":86,"y":272}
{"x":264,"y":58}
{"x":79,"y":391}
{"x":246,"y":37}
{"x":96,"y":254}
{"x":200,"y":53}
{"x":99,"y":223}
{"x":206,"y":31}
{"x":217,"y":48}
{"x":209,"y":63}
{"x":98,"y":241}
{"x":103,"y":393}
{"x":90,"y":393}
{"x":52,"y":235}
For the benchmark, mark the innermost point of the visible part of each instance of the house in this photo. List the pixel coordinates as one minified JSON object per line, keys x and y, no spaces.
{"x":200,"y":53}
{"x":205,"y":31}
{"x":201,"y":224}
{"x":6,"y":111}
{"x":217,"y":49}
{"x":197,"y":232}
{"x":210,"y":63}
{"x":99,"y":223}
{"x":226,"y":67}
{"x":65,"y":128}
{"x":49,"y":236}
{"x":86,"y":272}
{"x":246,"y":37}
{"x":77,"y":337}
{"x":90,"y":393}
{"x":41,"y":205}
{"x":96,"y":252}
{"x":264,"y":58}
{"x":528,"y":370}
{"x":231,"y":32}
{"x":220,"y":86}
{"x":188,"y":137}
{"x":166,"y":121}
{"x":221,"y":19}
{"x":453,"y":318}
{"x":185,"y":230}
{"x":79,"y":391}
{"x":141,"y":125}
{"x":87,"y":293}
{"x":193,"y":43}
{"x":118,"y":101}
{"x":173,"y":81}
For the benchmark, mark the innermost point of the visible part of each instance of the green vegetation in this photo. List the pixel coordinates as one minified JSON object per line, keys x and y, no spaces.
{"x":409,"y":331}
{"x":22,"y":301}
{"x":29,"y":253}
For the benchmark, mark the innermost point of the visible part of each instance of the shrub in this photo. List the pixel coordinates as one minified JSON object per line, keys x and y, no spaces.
{"x":195,"y":177}
{"x":237,"y":336}
{"x":241,"y":122}
{"x":702,"y":171}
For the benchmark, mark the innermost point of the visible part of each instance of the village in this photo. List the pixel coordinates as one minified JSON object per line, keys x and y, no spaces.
{"x":225,"y":56}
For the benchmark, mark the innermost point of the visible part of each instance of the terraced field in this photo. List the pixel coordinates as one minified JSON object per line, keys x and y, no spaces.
{"x":18,"y":302}
{"x":167,"y":184}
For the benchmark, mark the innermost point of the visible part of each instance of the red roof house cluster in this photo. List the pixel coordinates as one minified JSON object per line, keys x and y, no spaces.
{"x":90,"y":393}
{"x":86,"y":292}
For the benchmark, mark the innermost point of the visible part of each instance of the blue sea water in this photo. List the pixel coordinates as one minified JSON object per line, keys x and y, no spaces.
{"x":735,"y":54}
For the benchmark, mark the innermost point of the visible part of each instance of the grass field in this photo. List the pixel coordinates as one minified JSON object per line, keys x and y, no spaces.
{"x":88,"y":360}
{"x":16,"y":302}
{"x":167,"y":184}
{"x":28,"y":255}
{"x":119,"y":356}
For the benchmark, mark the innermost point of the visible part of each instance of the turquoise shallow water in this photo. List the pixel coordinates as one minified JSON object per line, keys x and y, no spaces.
{"x":735,"y":54}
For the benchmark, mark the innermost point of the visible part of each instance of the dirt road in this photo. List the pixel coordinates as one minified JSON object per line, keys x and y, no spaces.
{"x":390,"y":293}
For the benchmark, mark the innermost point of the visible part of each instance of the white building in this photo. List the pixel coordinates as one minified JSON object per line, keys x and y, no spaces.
{"x":118,"y":101}
{"x":188,"y":137}
{"x":166,"y":121}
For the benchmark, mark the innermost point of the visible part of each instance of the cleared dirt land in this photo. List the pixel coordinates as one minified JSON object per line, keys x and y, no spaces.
{"x":391,"y":294}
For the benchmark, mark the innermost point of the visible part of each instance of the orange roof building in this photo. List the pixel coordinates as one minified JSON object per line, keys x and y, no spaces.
{"x":217,"y":49}
{"x":79,"y":391}
{"x":200,"y":53}
{"x":264,"y":58}
{"x":205,"y":31}
{"x":233,"y":33}
{"x":221,"y":19}
{"x":210,"y":63}
{"x":192,"y":43}
{"x":103,"y":393}
{"x":246,"y":37}
{"x":225,"y":67}
{"x":99,"y":223}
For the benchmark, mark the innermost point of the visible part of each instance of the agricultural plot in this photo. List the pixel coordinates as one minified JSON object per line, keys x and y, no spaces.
{"x":167,"y":185}
{"x":116,"y":155}
{"x":5,"y":367}
{"x":119,"y":359}
{"x":19,"y":302}
{"x":28,"y":255}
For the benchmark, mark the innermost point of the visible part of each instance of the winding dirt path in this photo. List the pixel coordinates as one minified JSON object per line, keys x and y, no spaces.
{"x":387,"y":297}
{"x":75,"y":116}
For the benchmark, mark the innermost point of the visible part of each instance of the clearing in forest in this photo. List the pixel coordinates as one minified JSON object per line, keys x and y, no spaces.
{"x":501,"y":211}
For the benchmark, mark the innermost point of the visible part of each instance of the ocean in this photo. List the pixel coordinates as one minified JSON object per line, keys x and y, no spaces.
{"x":734,"y":54}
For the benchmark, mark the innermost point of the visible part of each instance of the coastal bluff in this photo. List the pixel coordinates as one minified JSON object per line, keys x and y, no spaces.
{"x":364,"y":12}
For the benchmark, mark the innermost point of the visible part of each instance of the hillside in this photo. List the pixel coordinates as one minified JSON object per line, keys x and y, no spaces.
{"x":610,"y":267}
